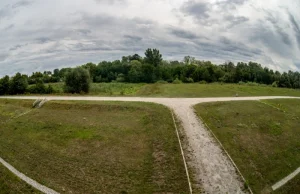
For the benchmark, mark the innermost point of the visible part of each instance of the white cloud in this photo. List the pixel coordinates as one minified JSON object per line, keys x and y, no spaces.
{"x":41,"y":35}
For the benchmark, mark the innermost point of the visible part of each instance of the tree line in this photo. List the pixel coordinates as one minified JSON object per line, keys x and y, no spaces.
{"x":148,"y":69}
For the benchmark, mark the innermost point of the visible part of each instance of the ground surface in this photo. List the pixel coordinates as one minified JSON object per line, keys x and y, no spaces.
{"x":210,"y":168}
{"x":9,"y":183}
{"x":183,"y":90}
{"x":94,"y":147}
{"x":261,"y":137}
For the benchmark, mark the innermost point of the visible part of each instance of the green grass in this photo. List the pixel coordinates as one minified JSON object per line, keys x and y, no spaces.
{"x":290,"y":187}
{"x":262,"y":140}
{"x":9,"y":183}
{"x":214,"y":90}
{"x":183,"y":90}
{"x":95,"y":147}
{"x":105,"y":89}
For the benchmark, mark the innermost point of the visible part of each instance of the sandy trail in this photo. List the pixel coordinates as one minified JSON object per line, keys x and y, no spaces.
{"x":212,"y":169}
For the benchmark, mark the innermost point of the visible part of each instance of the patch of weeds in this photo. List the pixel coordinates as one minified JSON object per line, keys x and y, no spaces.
{"x":241,"y":125}
{"x":276,"y":128}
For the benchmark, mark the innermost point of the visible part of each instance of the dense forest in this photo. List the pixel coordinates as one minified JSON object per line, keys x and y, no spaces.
{"x":152,"y":68}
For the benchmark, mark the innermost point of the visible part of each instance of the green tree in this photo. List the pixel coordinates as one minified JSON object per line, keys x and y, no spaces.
{"x":135,"y":73}
{"x":153,"y":57}
{"x":77,"y":81}
{"x":18,"y":84}
{"x":4,"y":85}
{"x":188,"y":60}
{"x":92,"y":68}
{"x":38,"y":88}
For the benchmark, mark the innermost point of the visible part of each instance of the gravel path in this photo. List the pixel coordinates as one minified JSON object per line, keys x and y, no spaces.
{"x":212,"y":169}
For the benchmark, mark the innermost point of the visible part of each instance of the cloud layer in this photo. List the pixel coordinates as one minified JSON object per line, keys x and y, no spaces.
{"x":43,"y":35}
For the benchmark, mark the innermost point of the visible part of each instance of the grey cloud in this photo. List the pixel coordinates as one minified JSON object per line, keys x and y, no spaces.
{"x":112,"y":1}
{"x":9,"y":27}
{"x":98,"y":20}
{"x":5,"y":12}
{"x":90,"y":36}
{"x":235,"y":20}
{"x":295,"y":27}
{"x":183,"y":34}
{"x":108,"y":24}
{"x":279,"y":30}
{"x":3,"y":56}
{"x":237,"y":47}
{"x":284,"y":36}
{"x":91,"y":47}
{"x":230,"y":4}
{"x":239,"y":2}
{"x":297,"y":64}
{"x":22,"y":3}
{"x":42,"y":40}
{"x":84,"y":31}
{"x":198,"y":10}
{"x":265,"y":36}
{"x":133,"y":38}
{"x":9,"y":10}
{"x":15,"y":47}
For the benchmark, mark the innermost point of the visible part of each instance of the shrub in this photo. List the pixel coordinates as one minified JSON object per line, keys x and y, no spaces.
{"x":120,"y":78}
{"x":275,"y":84}
{"x":241,"y":83}
{"x":38,"y":88}
{"x":189,"y":80}
{"x":161,"y":82}
{"x":203,"y":82}
{"x":252,"y":84}
{"x":177,"y":81}
{"x":50,"y":90}
{"x":77,"y":81}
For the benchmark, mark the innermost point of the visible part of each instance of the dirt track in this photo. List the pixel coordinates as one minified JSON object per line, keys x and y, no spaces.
{"x":213,"y":170}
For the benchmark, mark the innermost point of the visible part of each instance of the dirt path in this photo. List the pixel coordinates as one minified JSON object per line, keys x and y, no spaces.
{"x":212,"y":169}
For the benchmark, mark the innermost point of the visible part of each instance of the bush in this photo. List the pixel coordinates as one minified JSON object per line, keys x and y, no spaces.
{"x":189,"y":80}
{"x":203,"y":82}
{"x":120,"y":78}
{"x":177,"y":81}
{"x":50,"y":90}
{"x":252,"y":84}
{"x":77,"y":81}
{"x":241,"y":83}
{"x":38,"y":88}
{"x":161,"y":82}
{"x":275,"y":84}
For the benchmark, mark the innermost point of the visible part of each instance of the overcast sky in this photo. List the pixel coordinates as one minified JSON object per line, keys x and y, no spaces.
{"x":38,"y":35}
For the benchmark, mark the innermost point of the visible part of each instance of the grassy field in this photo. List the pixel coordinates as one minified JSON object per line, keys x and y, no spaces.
{"x":182,"y":90}
{"x":262,"y":139}
{"x":94,"y":147}
{"x":9,"y":183}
